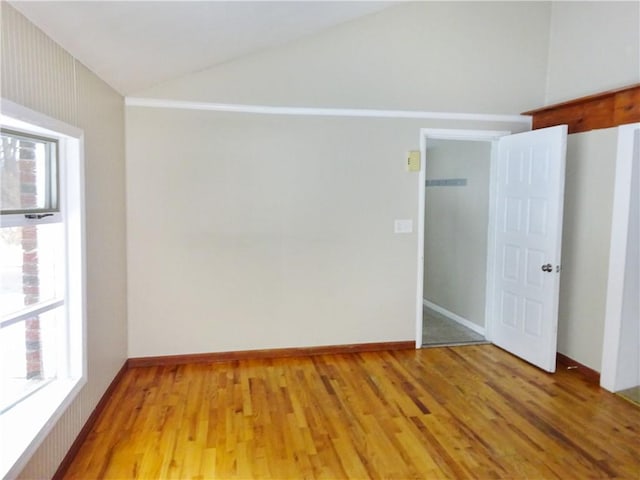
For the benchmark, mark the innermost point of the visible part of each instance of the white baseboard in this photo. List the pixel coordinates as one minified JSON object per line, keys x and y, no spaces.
{"x":456,"y":318}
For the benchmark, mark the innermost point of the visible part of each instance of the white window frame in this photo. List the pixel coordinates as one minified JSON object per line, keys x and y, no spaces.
{"x":25,"y":426}
{"x":52,"y":186}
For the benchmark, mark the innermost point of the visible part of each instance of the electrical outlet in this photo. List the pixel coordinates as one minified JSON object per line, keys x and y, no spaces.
{"x":403,"y":226}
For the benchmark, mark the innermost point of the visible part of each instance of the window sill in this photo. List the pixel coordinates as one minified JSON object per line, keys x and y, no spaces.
{"x":24,"y":427}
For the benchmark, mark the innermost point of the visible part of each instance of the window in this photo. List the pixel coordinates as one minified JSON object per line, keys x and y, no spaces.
{"x":28,"y":174}
{"x":42,"y":361}
{"x":31,"y":265}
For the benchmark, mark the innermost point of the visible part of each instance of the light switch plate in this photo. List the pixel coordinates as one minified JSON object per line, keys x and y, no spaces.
{"x":403,"y":226}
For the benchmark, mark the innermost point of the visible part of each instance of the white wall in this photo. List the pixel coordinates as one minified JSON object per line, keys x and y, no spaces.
{"x":253,"y":232}
{"x":593,"y":47}
{"x":588,"y":203}
{"x":267,"y":231}
{"x":456,"y":223}
{"x":488,"y":57}
{"x":38,"y":74}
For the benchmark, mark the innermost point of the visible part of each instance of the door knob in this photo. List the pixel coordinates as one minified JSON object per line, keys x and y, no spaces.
{"x":547,"y":267}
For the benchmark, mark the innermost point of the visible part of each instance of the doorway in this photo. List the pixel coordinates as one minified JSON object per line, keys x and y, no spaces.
{"x":454,"y":214}
{"x":523,"y":251}
{"x":457,"y":179}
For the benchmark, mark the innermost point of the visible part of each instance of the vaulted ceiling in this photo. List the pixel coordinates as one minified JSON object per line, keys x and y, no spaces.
{"x":133,"y":45}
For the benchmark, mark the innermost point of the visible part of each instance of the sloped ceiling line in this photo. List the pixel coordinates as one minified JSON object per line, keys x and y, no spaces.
{"x":136,"y":45}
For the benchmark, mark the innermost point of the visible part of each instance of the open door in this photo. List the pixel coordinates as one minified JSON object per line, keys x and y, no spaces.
{"x":527,"y":236}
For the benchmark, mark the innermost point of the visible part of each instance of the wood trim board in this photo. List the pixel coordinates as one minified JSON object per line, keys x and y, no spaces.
{"x":269,"y":353}
{"x":88,"y":425}
{"x":567,"y":363}
{"x":602,"y":110}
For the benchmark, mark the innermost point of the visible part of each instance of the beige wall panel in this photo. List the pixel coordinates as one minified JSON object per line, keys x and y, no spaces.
{"x":38,"y":74}
{"x":47,"y":458}
{"x":594,"y":46}
{"x":263,"y":231}
{"x":438,"y":56}
{"x":101,"y":115}
{"x":267,"y":231}
{"x":585,"y":244}
{"x":456,"y":225}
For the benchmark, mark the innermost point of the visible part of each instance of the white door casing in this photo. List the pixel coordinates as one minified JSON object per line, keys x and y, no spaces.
{"x":427,"y":134}
{"x":526,"y":235}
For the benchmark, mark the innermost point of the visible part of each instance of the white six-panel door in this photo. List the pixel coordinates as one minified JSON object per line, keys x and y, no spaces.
{"x":527,"y":240}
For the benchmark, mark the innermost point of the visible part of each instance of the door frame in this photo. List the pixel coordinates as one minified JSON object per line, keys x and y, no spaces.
{"x":427,"y":134}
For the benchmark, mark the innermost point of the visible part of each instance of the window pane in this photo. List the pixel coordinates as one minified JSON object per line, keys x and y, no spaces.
{"x":28,"y":179}
{"x":28,"y":355}
{"x":31,"y":265}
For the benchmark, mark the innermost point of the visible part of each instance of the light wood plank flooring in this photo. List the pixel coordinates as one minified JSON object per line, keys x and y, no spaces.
{"x":456,"y":412}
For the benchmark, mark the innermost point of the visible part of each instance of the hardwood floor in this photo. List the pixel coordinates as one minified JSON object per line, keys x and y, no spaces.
{"x":458,"y":412}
